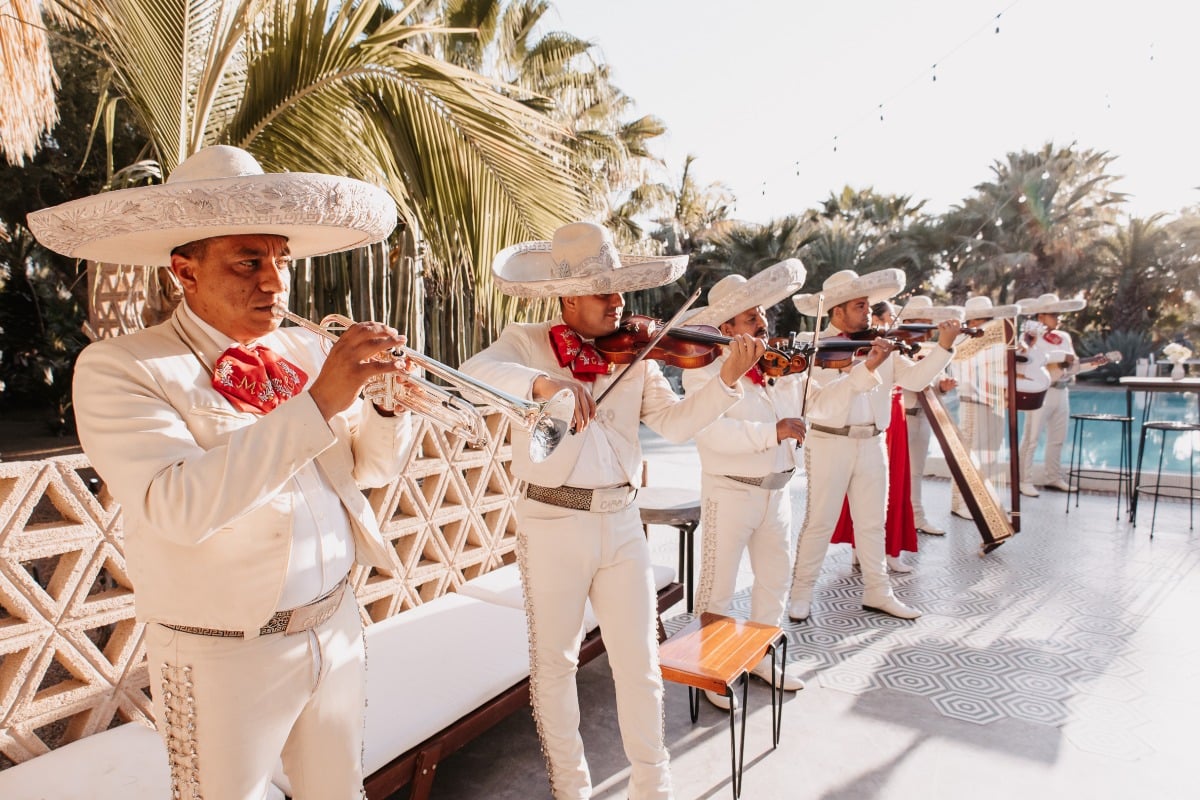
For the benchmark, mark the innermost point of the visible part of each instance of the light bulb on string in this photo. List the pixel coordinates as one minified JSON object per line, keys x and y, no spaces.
{"x":933,"y":69}
{"x":998,"y":22}
{"x":881,"y":112}
{"x":835,"y":144}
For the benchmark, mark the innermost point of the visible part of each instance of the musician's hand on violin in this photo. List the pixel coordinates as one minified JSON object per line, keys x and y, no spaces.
{"x":948,"y":331}
{"x":791,"y":428}
{"x":744,"y":352}
{"x":881,"y":349}
{"x":1069,"y":360}
{"x":361,"y":353}
{"x":546,"y":387}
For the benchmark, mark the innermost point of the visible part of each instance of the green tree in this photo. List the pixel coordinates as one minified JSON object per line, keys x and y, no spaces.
{"x":1024,"y":232}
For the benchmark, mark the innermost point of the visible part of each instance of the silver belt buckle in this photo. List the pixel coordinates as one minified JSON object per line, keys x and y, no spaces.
{"x":860,"y":431}
{"x":310,"y":616}
{"x":613,"y":499}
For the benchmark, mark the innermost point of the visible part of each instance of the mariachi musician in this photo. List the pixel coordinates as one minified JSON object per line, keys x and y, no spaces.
{"x":579,"y":533}
{"x":238,"y":450}
{"x":748,"y":458}
{"x":845,"y":453}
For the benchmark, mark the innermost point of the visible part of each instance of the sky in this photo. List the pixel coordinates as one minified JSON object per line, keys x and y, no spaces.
{"x":787,"y":101}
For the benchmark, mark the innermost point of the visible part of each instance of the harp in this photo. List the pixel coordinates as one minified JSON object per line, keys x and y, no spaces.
{"x":981,"y":450}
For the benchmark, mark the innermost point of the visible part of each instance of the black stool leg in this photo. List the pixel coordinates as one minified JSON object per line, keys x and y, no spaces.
{"x":1137,"y":483}
{"x":1073,"y":468}
{"x":1162,"y":451}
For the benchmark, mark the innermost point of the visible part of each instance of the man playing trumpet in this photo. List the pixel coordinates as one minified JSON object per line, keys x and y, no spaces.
{"x":580,"y":536}
{"x":237,"y":451}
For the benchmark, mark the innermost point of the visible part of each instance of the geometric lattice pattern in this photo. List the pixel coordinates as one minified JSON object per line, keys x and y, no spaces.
{"x":72,"y":662}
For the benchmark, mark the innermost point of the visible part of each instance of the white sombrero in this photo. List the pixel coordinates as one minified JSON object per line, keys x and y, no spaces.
{"x":581,"y":259}
{"x":980,"y":307}
{"x":921,"y":307}
{"x":1050,"y":304}
{"x":733,"y":294}
{"x":848,"y":285}
{"x":218,"y":191}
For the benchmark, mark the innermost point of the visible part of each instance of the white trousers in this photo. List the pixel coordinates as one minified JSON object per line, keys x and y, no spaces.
{"x":738,"y":518}
{"x":843,"y":468}
{"x":918,"y":453}
{"x":228,"y":708}
{"x":567,"y":557}
{"x":1052,"y":417}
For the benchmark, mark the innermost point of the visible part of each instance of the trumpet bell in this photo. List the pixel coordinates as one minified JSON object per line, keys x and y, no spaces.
{"x":550,"y":425}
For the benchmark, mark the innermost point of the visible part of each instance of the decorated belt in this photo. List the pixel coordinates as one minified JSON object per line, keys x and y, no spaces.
{"x":596,"y":500}
{"x":912,"y":412}
{"x":849,"y":431}
{"x":770,"y":482}
{"x":294,"y":620}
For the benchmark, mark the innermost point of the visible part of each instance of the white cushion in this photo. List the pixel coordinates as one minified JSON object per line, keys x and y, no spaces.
{"x":503,"y":587}
{"x":128,"y":762}
{"x":429,"y":666}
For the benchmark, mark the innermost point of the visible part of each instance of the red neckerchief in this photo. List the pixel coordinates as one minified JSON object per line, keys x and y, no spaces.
{"x":584,"y":360}
{"x":1052,"y":337}
{"x":256,"y":379}
{"x":755,"y":374}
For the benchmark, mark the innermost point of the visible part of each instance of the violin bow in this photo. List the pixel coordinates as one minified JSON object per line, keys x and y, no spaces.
{"x":650,"y":345}
{"x":812,"y":358}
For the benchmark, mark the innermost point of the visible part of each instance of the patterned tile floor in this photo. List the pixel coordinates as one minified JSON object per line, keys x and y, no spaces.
{"x":1063,"y":664}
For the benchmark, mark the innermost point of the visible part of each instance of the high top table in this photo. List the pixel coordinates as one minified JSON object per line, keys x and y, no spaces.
{"x":1152,"y":386}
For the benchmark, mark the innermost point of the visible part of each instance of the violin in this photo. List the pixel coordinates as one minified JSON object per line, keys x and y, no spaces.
{"x":687,"y":346}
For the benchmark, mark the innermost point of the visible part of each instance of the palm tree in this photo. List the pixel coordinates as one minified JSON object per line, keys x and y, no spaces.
{"x":1139,"y":286}
{"x":336,"y":87}
{"x":27,"y":80}
{"x":1023,"y":233}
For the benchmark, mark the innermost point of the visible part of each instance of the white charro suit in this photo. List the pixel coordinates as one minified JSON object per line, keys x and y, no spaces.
{"x":208,"y":499}
{"x":569,"y":556}
{"x":840,"y":467}
{"x":1054,"y":414}
{"x":739,"y":517}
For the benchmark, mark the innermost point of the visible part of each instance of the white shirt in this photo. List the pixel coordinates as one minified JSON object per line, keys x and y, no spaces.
{"x":322,"y":550}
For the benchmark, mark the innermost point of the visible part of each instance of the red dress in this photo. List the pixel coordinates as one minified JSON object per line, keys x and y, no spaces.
{"x":900,"y":531}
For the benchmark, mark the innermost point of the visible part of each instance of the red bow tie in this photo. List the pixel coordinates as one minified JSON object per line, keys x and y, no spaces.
{"x":1052,"y":337}
{"x":256,"y":378}
{"x":584,"y":360}
{"x":755,"y":374}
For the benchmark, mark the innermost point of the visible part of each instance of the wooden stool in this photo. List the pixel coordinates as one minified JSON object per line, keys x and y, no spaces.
{"x":679,"y":508}
{"x":712,"y":653}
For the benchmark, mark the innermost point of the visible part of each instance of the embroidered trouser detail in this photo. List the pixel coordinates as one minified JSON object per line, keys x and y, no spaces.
{"x":568,"y":558}
{"x":741,"y":520}
{"x":840,"y":468}
{"x":180,"y":726}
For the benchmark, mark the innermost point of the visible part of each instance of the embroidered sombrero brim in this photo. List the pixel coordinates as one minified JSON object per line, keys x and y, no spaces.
{"x":528,"y":270}
{"x":766,"y":288}
{"x":318,"y":214}
{"x":991,"y":312}
{"x":883,"y":284}
{"x":934,"y":314}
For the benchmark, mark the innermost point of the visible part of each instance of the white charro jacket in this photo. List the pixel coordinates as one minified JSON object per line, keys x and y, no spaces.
{"x":207,"y":531}
{"x":897,"y":370}
{"x":744,"y":441}
{"x":522,"y":352}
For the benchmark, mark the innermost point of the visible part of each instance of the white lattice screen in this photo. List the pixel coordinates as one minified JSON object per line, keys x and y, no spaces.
{"x":71,"y":656}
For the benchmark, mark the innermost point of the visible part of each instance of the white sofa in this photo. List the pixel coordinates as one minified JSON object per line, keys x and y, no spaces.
{"x":437,"y":676}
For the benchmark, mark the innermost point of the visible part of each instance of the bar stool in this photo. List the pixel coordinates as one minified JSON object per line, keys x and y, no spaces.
{"x":680,"y":509}
{"x":1158,"y":488}
{"x":1076,"y":471}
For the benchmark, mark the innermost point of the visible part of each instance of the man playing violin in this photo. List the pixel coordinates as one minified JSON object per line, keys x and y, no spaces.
{"x":238,"y":451}
{"x":580,"y":536}
{"x":748,"y":457}
{"x":920,"y":309}
{"x":845,"y":456}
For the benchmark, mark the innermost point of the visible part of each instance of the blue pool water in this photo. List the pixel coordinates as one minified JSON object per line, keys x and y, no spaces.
{"x":1101,"y":442}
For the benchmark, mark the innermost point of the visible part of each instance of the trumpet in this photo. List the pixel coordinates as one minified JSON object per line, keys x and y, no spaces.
{"x":547,"y":422}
